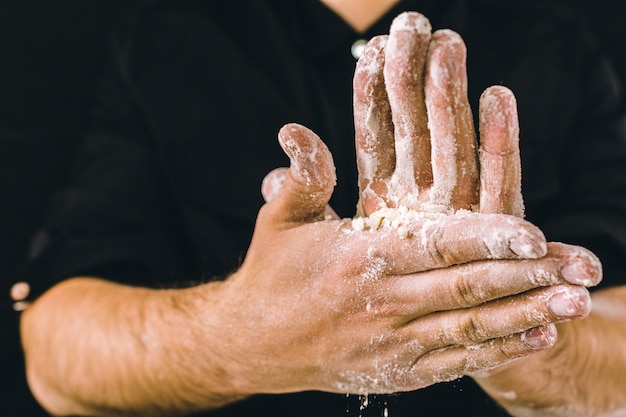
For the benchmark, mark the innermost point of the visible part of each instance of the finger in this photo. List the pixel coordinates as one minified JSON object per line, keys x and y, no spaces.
{"x":501,"y":172}
{"x":477,"y":283}
{"x":582,"y":266}
{"x":421,"y":244}
{"x":405,"y":56}
{"x":502,"y":317}
{"x":309,"y":181}
{"x":375,"y":152}
{"x":453,"y":363}
{"x":450,"y":121}
{"x":273,"y":183}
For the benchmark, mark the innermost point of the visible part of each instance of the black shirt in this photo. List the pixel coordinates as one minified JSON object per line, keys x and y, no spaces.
{"x":167,"y":184}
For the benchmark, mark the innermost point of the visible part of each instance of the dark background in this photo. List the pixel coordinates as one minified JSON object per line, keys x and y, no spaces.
{"x":51,"y":53}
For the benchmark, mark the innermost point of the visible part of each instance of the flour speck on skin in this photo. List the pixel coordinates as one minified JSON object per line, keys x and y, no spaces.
{"x":491,"y":105}
{"x":542,"y":277}
{"x":411,"y":22}
{"x":401,"y":219}
{"x":298,"y":153}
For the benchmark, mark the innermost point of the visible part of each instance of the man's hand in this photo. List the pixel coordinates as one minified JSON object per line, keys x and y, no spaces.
{"x":385,"y":304}
{"x":322,"y":304}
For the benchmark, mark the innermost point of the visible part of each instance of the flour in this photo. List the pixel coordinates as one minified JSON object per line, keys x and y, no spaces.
{"x":402,"y":218}
{"x":297,"y":155}
{"x":411,"y":21}
{"x":311,"y":161}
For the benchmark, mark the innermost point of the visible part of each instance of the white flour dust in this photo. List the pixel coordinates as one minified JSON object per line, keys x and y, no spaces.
{"x":401,"y":218}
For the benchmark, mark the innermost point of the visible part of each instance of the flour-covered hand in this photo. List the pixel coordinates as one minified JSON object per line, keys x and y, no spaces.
{"x":437,"y":276}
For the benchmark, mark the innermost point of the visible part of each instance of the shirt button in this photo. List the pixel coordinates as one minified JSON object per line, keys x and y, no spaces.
{"x":358,"y":47}
{"x":19,"y":291}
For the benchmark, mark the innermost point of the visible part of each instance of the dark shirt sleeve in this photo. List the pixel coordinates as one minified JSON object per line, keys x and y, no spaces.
{"x":115,"y":220}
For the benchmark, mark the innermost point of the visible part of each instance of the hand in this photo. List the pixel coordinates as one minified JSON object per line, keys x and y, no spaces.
{"x":415,"y":139}
{"x":367,"y":307}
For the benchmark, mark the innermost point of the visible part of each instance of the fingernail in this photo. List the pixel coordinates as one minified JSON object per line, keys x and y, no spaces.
{"x":526,"y":246}
{"x":576,"y":273}
{"x":570,"y":302}
{"x":540,"y":337}
{"x":587,"y":271}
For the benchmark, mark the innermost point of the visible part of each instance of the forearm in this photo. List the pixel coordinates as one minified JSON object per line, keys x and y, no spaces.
{"x":583,"y":375}
{"x":98,"y":348}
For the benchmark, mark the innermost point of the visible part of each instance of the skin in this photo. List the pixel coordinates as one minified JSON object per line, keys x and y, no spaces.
{"x":329,"y":307}
{"x":582,"y":375}
{"x":585,"y":371}
{"x":360,"y":14}
{"x":587,"y":365}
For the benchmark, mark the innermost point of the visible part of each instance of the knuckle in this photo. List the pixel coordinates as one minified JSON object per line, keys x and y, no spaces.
{"x":436,"y":250}
{"x":469,"y":363}
{"x":463,"y":292}
{"x":508,"y":351}
{"x":472,"y":330}
{"x":542,"y":277}
{"x":491,"y":354}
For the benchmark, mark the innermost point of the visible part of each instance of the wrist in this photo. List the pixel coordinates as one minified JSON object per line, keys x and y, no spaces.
{"x":208,"y":359}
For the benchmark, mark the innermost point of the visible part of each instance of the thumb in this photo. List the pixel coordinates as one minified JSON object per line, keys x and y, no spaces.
{"x":273,"y":183}
{"x":302,"y":192}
